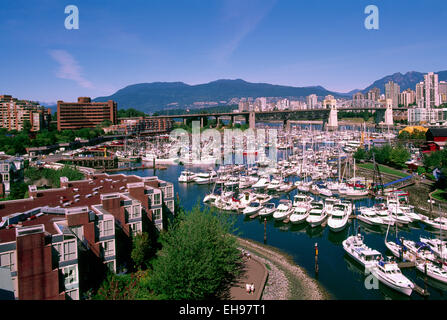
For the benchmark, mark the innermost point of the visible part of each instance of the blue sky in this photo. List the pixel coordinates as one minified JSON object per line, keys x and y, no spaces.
{"x":289,"y":42}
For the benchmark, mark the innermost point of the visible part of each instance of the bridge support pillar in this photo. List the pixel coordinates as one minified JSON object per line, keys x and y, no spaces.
{"x":333,"y":118}
{"x":252,"y":120}
{"x":201,"y":122}
{"x":389,"y":113}
{"x":287,"y":125}
{"x":184,"y":121}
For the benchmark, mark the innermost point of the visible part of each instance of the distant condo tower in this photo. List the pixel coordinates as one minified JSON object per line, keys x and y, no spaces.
{"x":84,"y":113}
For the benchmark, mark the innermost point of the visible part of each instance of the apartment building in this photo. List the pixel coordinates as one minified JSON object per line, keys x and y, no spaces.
{"x":58,"y":242}
{"x":11,"y":171}
{"x":142,"y":125}
{"x":84,"y":113}
{"x":392,"y":91}
{"x":14,"y":113}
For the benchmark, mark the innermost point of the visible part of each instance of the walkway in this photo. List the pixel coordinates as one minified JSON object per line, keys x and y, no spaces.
{"x":254,"y":272}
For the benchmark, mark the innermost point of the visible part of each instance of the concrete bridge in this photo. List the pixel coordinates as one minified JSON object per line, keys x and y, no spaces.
{"x":329,"y":115}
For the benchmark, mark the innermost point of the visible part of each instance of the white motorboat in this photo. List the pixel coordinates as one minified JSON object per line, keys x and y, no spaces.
{"x":339,"y":217}
{"x":369,"y":216}
{"x":261,"y":184}
{"x":357,"y":249}
{"x":186,"y":176}
{"x":232,"y":182}
{"x":438,"y":246}
{"x":302,"y":200}
{"x":210,"y":198}
{"x":283,"y":210}
{"x":245,"y":199}
{"x":439,"y":223}
{"x":355,"y":192}
{"x":390,"y":275}
{"x":263,"y":198}
{"x":329,"y":204}
{"x":299,"y":215}
{"x":267,"y":210}
{"x":303,"y":186}
{"x":433,"y":270}
{"x":252,"y":208}
{"x":274,"y":185}
{"x":317,"y":214}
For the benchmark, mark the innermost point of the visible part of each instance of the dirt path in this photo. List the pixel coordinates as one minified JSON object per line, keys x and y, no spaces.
{"x":286,"y":281}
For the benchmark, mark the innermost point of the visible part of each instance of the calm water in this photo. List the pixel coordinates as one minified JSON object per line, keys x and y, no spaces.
{"x":339,"y":274}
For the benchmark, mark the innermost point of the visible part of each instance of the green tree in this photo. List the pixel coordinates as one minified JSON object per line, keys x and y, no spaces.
{"x":141,"y":249}
{"x":360,"y":154}
{"x":398,"y":156}
{"x":198,"y":259}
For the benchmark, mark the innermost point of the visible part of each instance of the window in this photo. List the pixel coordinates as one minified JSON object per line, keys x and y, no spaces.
{"x":78,"y":231}
{"x":106,"y":228}
{"x":70,"y":250}
{"x":157,"y":199}
{"x":70,"y":275}
{"x":7,"y":260}
{"x":108,"y":248}
{"x":170,"y":205}
{"x":135,"y":228}
{"x":135,"y":212}
{"x":73,"y":294}
{"x":169,"y":192}
{"x":111,"y":265}
{"x":156,"y":214}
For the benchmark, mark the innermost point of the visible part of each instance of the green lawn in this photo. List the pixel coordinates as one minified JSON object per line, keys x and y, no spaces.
{"x":440,"y":195}
{"x":384,"y":169}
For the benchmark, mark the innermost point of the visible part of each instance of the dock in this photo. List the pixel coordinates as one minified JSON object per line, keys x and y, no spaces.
{"x":406,"y":264}
{"x":420,"y":291}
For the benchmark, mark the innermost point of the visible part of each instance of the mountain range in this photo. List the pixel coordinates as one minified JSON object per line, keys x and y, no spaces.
{"x":155,"y":96}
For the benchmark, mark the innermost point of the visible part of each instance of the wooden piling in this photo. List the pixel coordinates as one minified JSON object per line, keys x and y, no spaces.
{"x":316,"y":258}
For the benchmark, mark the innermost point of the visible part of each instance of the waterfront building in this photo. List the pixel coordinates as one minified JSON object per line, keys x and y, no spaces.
{"x":311,"y":101}
{"x":11,"y":171}
{"x":58,"y":241}
{"x":14,"y":113}
{"x":85,"y":114}
{"x":358,"y":100}
{"x":139,"y":125}
{"x":407,"y":97}
{"x":442,"y":92}
{"x":431,"y":90}
{"x":392,"y":91}
{"x":373,"y":94}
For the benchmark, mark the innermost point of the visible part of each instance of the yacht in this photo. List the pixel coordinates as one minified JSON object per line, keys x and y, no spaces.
{"x":438,"y":246}
{"x":263,"y":198}
{"x":283,"y":210}
{"x":390,"y":275}
{"x":299,"y":215}
{"x":439,"y":223}
{"x":369,"y":216}
{"x":252,"y":208}
{"x":433,"y":270}
{"x":356,"y":249}
{"x":339,"y":217}
{"x":267,"y":210}
{"x":246,"y":199}
{"x":317,"y":214}
{"x":187,"y":176}
{"x":261,"y":184}
{"x":274,"y":185}
{"x":329,"y":204}
{"x":302,"y":201}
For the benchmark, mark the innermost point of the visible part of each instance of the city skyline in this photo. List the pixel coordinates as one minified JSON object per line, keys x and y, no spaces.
{"x":278,"y":42}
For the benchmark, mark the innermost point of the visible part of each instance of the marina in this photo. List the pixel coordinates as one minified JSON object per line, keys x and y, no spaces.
{"x":286,"y":211}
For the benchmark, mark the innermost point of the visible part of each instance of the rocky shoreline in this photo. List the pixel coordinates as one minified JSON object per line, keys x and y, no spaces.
{"x":286,"y":280}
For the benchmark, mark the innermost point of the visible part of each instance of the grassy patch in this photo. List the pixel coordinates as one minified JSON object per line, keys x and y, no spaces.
{"x":268,"y":267}
{"x":440,"y":195}
{"x":383,"y":169}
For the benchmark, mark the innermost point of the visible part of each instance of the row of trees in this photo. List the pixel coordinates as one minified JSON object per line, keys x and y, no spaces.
{"x":394,"y":156}
{"x":437,"y":160}
{"x":16,"y":142}
{"x":198,"y":259}
{"x":19,"y":190}
{"x":414,"y":135}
